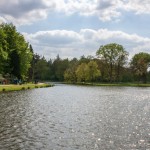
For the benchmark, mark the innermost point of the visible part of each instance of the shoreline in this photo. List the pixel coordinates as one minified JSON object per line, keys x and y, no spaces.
{"x":111,"y":84}
{"x":12,"y":87}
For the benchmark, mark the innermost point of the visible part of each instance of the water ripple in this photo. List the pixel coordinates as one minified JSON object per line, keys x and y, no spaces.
{"x":75,"y":117}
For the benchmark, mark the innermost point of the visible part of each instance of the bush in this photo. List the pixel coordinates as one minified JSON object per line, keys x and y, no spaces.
{"x":23,"y":88}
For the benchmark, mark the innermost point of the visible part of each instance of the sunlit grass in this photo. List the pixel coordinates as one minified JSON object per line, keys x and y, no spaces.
{"x":13,"y":87}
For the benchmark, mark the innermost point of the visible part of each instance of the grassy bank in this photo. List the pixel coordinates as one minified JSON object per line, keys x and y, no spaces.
{"x":13,"y":87}
{"x":112,"y":84}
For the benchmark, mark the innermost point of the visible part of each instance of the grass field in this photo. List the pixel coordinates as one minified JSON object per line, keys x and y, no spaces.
{"x":13,"y":87}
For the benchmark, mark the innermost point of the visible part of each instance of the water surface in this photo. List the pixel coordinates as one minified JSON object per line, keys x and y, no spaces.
{"x":66,"y":117}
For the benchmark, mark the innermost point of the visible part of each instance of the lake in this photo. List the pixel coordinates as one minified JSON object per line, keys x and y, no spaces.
{"x":67,"y":117}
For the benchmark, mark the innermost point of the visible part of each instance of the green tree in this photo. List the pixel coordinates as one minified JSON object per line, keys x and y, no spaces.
{"x":51,"y":70}
{"x":83,"y":59}
{"x":18,"y":54}
{"x":102,"y":66}
{"x":121,"y":60}
{"x":113,"y":55}
{"x":81,"y":72}
{"x":140,"y":64}
{"x":25,"y":62}
{"x":3,"y":50}
{"x":92,"y":71}
{"x":70,"y":73}
{"x":41,"y":69}
{"x":59,"y":67}
{"x":32,"y":66}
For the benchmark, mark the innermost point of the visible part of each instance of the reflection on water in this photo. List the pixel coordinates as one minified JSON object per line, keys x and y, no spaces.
{"x":75,"y":117}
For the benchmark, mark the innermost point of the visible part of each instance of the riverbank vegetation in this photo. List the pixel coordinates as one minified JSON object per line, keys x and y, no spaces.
{"x":110,"y":84}
{"x":110,"y":65}
{"x":11,"y":87}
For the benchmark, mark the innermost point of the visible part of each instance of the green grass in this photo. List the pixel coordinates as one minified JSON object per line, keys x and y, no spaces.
{"x":112,"y":84}
{"x":12,"y":87}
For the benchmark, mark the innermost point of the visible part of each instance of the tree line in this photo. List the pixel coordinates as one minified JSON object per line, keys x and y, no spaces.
{"x":111,"y":64}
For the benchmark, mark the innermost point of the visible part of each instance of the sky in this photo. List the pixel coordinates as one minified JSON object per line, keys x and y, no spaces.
{"x":73,"y":28}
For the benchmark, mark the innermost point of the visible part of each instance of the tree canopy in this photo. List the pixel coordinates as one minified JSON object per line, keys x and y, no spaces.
{"x":18,"y":60}
{"x":15,"y":52}
{"x":140,"y":64}
{"x":114,"y":56}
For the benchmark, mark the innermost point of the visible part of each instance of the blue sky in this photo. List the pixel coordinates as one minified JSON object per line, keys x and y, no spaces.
{"x":72,"y":28}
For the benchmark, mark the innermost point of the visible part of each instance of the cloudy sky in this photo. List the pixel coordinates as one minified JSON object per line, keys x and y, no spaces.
{"x":72,"y":28}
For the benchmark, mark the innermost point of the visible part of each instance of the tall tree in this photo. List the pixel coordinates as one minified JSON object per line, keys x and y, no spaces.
{"x":102,"y":66}
{"x":59,"y":67}
{"x":25,"y":61}
{"x":32,"y":67}
{"x":140,"y":64}
{"x":114,"y":55}
{"x":121,"y":60}
{"x":41,"y":69}
{"x":19,"y":56}
{"x":3,"y":49}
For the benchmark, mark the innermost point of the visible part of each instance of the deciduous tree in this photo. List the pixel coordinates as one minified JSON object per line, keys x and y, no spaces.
{"x":81,"y":72}
{"x":92,"y":71}
{"x":114,"y":55}
{"x":140,"y":64}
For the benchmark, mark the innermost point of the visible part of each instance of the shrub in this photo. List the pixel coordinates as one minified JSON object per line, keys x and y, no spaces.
{"x":23,"y":88}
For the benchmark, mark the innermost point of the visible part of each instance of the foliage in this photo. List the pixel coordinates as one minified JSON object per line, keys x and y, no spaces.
{"x":41,"y":69}
{"x":81,"y":72}
{"x":60,"y":67}
{"x":140,"y":64}
{"x":87,"y":72}
{"x":18,"y":60}
{"x":114,"y":56}
{"x":15,"y":53}
{"x":3,"y":49}
{"x":92,"y":71}
{"x":70,"y":73}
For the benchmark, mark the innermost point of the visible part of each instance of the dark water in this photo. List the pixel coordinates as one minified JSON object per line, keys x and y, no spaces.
{"x":68,"y":117}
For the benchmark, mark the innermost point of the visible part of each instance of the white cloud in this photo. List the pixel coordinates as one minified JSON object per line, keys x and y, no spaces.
{"x":29,"y":11}
{"x":85,"y":42}
{"x":57,"y":37}
{"x":107,"y":10}
{"x":2,"y":20}
{"x":25,"y":11}
{"x":138,"y":6}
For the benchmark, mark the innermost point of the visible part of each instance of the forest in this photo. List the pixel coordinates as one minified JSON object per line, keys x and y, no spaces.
{"x":111,"y":64}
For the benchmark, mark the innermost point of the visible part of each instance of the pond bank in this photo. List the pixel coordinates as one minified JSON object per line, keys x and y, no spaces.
{"x":111,"y":84}
{"x":12,"y":87}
